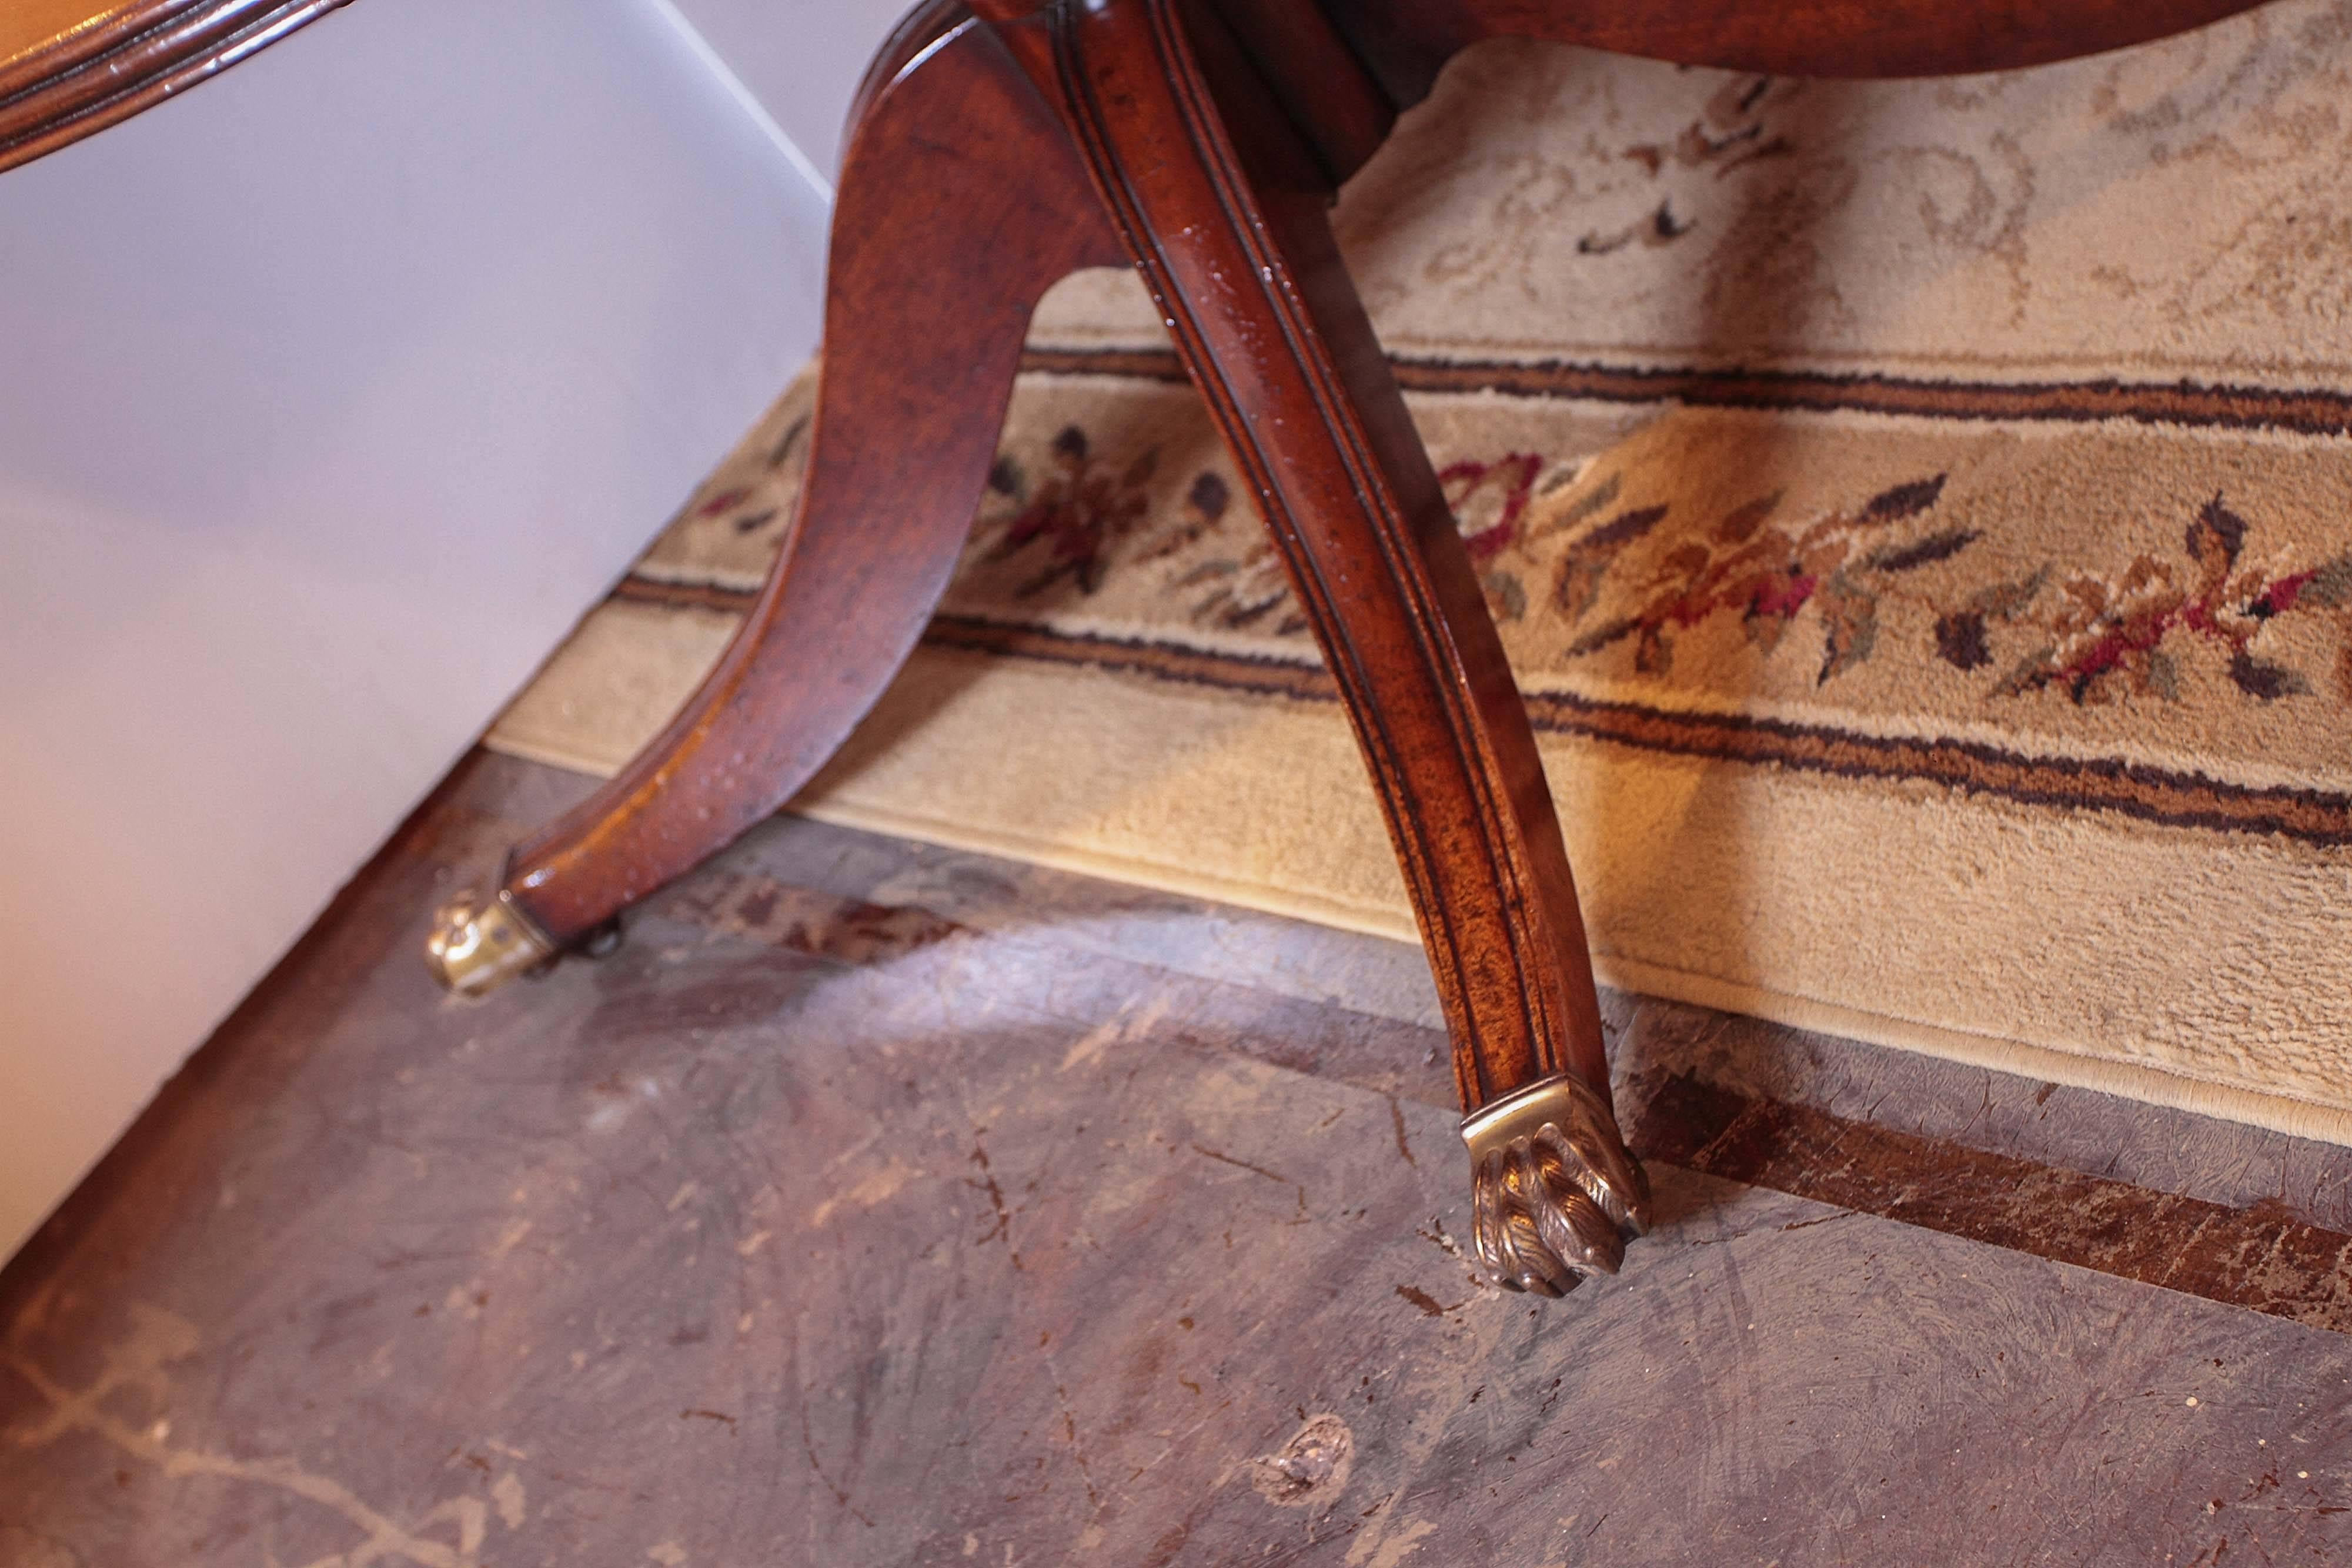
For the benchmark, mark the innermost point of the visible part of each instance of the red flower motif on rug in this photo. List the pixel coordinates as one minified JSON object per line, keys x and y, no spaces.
{"x":2106,"y":637}
{"x":1765,"y":573}
{"x":1077,"y":513}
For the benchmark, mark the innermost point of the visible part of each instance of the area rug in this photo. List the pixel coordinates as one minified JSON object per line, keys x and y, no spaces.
{"x":1919,"y":514}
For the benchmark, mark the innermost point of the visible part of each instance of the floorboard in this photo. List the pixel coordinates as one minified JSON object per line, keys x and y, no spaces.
{"x":882,"y":1203}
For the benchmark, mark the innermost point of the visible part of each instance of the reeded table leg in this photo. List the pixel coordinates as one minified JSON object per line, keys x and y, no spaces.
{"x":959,"y":172}
{"x":1223,"y":206}
{"x":961,"y":202}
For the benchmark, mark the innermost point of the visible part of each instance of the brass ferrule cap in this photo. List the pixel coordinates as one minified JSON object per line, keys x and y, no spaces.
{"x":1555,"y":1194}
{"x":478,"y":946}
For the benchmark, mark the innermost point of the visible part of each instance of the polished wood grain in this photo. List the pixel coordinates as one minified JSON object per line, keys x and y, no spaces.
{"x":1224,"y":210}
{"x":29,"y":27}
{"x":956,"y":170}
{"x":69,"y":69}
{"x":1302,"y":57}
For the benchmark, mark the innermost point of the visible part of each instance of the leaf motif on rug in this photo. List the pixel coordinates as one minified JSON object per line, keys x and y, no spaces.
{"x":2105,"y":638}
{"x":1766,"y":575}
{"x":1609,"y":561}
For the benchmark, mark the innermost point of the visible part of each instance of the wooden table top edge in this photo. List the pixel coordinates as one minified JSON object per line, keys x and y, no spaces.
{"x":59,"y":86}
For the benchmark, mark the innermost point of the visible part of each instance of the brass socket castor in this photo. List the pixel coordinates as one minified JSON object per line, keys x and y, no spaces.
{"x":1556,"y":1194}
{"x":477,"y":945}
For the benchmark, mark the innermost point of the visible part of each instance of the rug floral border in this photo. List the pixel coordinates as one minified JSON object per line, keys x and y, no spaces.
{"x":2143,"y":791}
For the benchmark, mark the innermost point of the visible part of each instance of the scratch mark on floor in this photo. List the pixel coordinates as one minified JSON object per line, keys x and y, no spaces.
{"x":808,"y":1442}
{"x":137,"y":1364}
{"x":1245,"y":1164}
{"x":1396,"y":1115}
{"x":866,"y":1192}
{"x":987,"y":1183}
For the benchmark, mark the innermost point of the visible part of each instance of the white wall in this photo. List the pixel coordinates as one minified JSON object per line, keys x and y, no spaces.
{"x":330,"y":394}
{"x":801,"y":60}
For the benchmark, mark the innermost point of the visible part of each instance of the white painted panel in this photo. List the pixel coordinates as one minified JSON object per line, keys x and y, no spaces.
{"x":329,"y":395}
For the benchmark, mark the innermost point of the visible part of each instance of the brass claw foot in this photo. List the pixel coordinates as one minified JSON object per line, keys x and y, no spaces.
{"x":476,"y":946}
{"x":1556,"y":1194}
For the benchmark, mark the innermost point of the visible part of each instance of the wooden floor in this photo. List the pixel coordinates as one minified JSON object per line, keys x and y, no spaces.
{"x":877,"y":1204}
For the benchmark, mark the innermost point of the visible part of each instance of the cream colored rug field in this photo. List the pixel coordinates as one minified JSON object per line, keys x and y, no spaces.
{"x":1920,"y":516}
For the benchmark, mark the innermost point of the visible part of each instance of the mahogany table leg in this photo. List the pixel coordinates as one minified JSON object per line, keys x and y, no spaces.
{"x":961,"y":202}
{"x":1223,"y":207}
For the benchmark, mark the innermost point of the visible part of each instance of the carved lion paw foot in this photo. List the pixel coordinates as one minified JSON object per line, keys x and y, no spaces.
{"x":1556,"y":1194}
{"x":477,"y":945}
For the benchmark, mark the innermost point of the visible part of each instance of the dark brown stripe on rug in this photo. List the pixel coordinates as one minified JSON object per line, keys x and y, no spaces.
{"x":2165,"y":796}
{"x":2304,"y":412}
{"x":2259,"y":1257}
{"x":2105,"y":784}
{"x":2151,"y":794}
{"x":686,"y":595}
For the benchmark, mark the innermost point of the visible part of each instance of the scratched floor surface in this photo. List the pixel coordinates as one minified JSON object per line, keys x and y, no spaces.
{"x":876,"y":1204}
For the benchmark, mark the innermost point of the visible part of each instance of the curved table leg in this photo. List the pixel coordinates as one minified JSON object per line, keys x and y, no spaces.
{"x":1224,"y":210}
{"x":957,"y":169}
